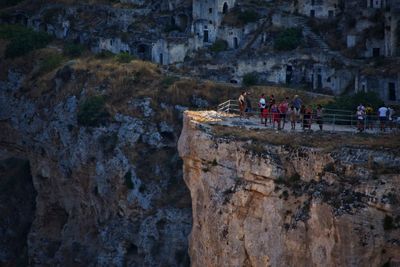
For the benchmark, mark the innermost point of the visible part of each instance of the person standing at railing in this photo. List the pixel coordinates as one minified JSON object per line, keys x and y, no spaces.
{"x":360,"y":118}
{"x":262,"y":104}
{"x":242,"y":103}
{"x":276,"y":117}
{"x":292,"y":117}
{"x":271,"y":102}
{"x":369,"y":111}
{"x":390,"y":117}
{"x":319,"y":117}
{"x":383,"y":113}
{"x":248,"y":109}
{"x":297,"y":103}
{"x":283,"y":108}
{"x":307,"y":117}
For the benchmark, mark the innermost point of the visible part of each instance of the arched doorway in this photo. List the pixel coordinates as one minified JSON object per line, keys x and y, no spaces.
{"x":225,"y":8}
{"x":143,"y":52}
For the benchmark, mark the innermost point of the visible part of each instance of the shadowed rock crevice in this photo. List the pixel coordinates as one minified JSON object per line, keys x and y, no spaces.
{"x":17,"y":209}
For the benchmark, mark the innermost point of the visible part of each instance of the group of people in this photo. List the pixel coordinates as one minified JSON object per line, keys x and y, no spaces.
{"x":365,"y":117}
{"x":278,"y":112}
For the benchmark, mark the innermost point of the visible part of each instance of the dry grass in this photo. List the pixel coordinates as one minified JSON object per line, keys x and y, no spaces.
{"x":323,"y":140}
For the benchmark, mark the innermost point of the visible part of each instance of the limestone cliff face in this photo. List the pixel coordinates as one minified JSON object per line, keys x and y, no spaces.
{"x":288,"y":205}
{"x":110,"y":195}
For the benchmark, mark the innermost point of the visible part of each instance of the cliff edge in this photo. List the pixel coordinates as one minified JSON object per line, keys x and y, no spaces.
{"x":262,"y":198}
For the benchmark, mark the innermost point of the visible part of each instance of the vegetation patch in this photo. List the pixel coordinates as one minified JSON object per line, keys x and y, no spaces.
{"x":168,"y":81}
{"x":73,"y":50}
{"x":250,"y":79}
{"x":219,"y":46}
{"x":388,"y":223}
{"x":51,"y":62}
{"x":93,"y":112}
{"x":22,"y":40}
{"x":124,"y":57}
{"x":128,"y":180}
{"x":351,"y":102}
{"x":104,"y":54}
{"x":288,"y":40}
{"x":8,"y":3}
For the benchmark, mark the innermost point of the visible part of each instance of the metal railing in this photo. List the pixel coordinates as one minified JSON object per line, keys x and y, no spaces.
{"x":336,"y":119}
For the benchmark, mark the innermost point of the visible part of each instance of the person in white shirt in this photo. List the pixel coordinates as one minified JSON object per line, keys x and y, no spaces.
{"x":262,"y":104}
{"x":382,"y":113}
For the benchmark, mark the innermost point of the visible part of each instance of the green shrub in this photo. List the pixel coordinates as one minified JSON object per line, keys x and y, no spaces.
{"x":219,"y":46}
{"x":351,"y":102}
{"x":128,"y":180}
{"x":388,"y":222}
{"x":50,"y":63}
{"x":73,"y":50}
{"x":124,"y":57}
{"x":250,"y":79}
{"x":22,"y":40}
{"x":289,"y":39}
{"x":105,"y":54}
{"x":12,"y":31}
{"x":93,"y":112}
{"x":108,"y":142}
{"x":171,"y":28}
{"x":248,"y":16}
{"x":169,"y":80}
{"x":8,"y":3}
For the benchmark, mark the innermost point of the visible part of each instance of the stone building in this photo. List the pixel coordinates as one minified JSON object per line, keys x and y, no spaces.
{"x":385,"y":83}
{"x":207,"y":17}
{"x":317,"y":8}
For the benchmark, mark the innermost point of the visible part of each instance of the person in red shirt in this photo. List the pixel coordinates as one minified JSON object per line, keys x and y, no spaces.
{"x":265,"y":114}
{"x":275,"y":116}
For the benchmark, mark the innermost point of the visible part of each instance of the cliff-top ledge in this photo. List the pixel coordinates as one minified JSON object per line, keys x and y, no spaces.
{"x":262,"y":198}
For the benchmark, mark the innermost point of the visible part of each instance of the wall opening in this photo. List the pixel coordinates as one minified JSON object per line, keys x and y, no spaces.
{"x":144,"y":52}
{"x":161,"y":59}
{"x":235,"y":43}
{"x":392,"y":92}
{"x":225,"y":8}
{"x":319,"y":81}
{"x":205,"y":36}
{"x":376,"y":52}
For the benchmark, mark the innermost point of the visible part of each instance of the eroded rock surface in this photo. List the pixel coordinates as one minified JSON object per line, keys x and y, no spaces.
{"x":262,"y":204}
{"x":108,"y":195}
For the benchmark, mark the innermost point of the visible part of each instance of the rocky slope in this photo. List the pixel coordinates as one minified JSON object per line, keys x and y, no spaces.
{"x":264,"y":203}
{"x":109,"y":194}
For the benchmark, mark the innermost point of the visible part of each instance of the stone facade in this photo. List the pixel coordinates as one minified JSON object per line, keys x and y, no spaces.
{"x":317,"y":8}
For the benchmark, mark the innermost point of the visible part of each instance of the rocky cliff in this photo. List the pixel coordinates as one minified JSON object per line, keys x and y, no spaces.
{"x":79,"y":191}
{"x":263,"y":199}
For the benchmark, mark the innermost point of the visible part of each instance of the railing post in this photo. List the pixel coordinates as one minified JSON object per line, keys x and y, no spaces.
{"x":334,"y":121}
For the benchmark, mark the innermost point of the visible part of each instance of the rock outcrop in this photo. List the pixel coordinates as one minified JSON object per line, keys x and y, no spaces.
{"x":269,"y":204}
{"x":106,"y":195}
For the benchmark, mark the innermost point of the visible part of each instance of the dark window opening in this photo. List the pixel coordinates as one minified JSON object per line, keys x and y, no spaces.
{"x":161,"y":59}
{"x":392,"y":92}
{"x":330,"y":13}
{"x":205,"y":36}
{"x":225,"y":8}
{"x":235,"y":43}
{"x":319,"y":81}
{"x":210,"y":10}
{"x":312,"y":13}
{"x":376,"y":52}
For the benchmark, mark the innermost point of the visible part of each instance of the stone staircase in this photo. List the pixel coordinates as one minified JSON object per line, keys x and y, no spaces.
{"x":255,"y":35}
{"x":321,"y":44}
{"x":302,"y":22}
